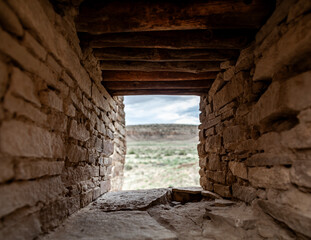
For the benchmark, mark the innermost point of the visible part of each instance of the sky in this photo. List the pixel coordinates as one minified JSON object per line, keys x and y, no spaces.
{"x":161,"y":109}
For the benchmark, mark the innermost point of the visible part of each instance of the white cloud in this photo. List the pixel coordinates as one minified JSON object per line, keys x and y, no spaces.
{"x":162,"y":109}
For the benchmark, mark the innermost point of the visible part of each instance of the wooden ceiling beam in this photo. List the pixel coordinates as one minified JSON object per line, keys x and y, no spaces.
{"x":98,"y":17}
{"x":148,"y":54}
{"x":193,"y":39}
{"x":196,"y":92}
{"x":191,"y":67}
{"x":197,"y":84}
{"x":155,"y":76}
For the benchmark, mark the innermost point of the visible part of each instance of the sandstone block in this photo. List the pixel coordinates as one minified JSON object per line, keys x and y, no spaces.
{"x":73,"y":175}
{"x":229,"y":73}
{"x":222,"y":190}
{"x":104,"y":186}
{"x":275,"y":177}
{"x":108,"y":148}
{"x":217,"y":176}
{"x":86,"y":198}
{"x":23,"y":86}
{"x":245,"y":60}
{"x":300,"y":173}
{"x":230,"y":91}
{"x":233,"y":134}
{"x":70,"y":110}
{"x":9,"y":20}
{"x":269,"y":159}
{"x":214,"y":162}
{"x":76,"y":153}
{"x":209,"y":132}
{"x":298,"y":137}
{"x":78,"y":131}
{"x":280,"y":55}
{"x":217,"y":84}
{"x":296,"y":220}
{"x":6,"y":169}
{"x":99,"y":99}
{"x":298,"y":9}
{"x":58,"y":122}
{"x":51,"y":99}
{"x":20,"y":194}
{"x":36,"y":169}
{"x":246,"y":194}
{"x":238,"y":169}
{"x":34,"y":47}
{"x":4,"y":77}
{"x":23,"y":108}
{"x":227,"y":64}
{"x":53,"y":64}
{"x":210,"y":123}
{"x":96,"y":193}
{"x":213,"y":144}
{"x":20,"y":139}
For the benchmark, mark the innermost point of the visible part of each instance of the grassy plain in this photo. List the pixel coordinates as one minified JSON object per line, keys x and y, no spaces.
{"x":155,"y":164}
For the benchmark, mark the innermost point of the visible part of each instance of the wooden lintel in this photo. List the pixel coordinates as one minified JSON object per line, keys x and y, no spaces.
{"x":155,"y":76}
{"x":196,"y":84}
{"x":166,"y":55}
{"x":98,"y":17}
{"x":191,"y":67}
{"x":158,"y":92}
{"x":191,"y":39}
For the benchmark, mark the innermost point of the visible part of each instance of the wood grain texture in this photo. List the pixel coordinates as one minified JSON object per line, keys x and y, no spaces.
{"x":155,"y":76}
{"x":99,"y":17}
{"x":191,"y":67}
{"x":147,"y":54}
{"x":197,"y":92}
{"x":191,"y":39}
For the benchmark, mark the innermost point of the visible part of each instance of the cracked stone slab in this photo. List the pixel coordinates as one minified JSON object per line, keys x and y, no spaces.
{"x":95,"y":224}
{"x":133,"y":200}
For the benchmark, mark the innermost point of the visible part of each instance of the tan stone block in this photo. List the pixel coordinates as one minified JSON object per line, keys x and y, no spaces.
{"x":73,"y":175}
{"x":227,"y":64}
{"x":4,"y":77}
{"x":50,"y":98}
{"x":96,"y":193}
{"x":23,"y":108}
{"x":230,"y":91}
{"x":6,"y":169}
{"x":34,"y":47}
{"x":78,"y":131}
{"x":27,"y":169}
{"x":19,"y":194}
{"x":99,"y":99}
{"x":217,"y":176}
{"x":105,"y":186}
{"x":13,"y":49}
{"x":280,"y":55}
{"x":233,"y":134}
{"x":53,"y":64}
{"x":70,"y":110}
{"x":57,"y":122}
{"x":23,"y":86}
{"x":300,"y":173}
{"x":298,"y":137}
{"x":76,"y":153}
{"x":229,"y":73}
{"x":108,"y":148}
{"x":245,"y":60}
{"x":222,"y":190}
{"x":213,"y":162}
{"x":269,"y":159}
{"x":9,"y":21}
{"x":217,"y":84}
{"x":213,"y":144}
{"x":238,"y":169}
{"x":20,"y":139}
{"x":275,"y":177}
{"x":210,"y":123}
{"x":86,"y":198}
{"x":244,"y":193}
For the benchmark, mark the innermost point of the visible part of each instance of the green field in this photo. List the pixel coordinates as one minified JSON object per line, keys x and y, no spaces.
{"x":155,"y":164}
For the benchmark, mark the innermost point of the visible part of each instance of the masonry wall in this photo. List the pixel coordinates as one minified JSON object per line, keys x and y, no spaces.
{"x":255,"y":132}
{"x":62,"y":136}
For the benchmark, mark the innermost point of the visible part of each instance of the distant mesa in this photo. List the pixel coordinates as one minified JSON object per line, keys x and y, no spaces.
{"x":162,"y":132}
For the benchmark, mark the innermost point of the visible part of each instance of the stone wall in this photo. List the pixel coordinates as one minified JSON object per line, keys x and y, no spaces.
{"x":255,"y":132}
{"x":62,"y":136}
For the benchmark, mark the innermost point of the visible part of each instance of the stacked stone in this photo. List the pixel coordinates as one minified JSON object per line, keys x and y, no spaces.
{"x":255,"y":132}
{"x":62,"y":136}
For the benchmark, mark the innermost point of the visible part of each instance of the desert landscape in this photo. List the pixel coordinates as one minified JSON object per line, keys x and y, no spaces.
{"x":161,"y":155}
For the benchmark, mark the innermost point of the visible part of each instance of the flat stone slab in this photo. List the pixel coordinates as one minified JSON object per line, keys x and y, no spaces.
{"x":132,"y":200}
{"x":210,"y":195}
{"x":98,"y":225}
{"x":190,"y":190}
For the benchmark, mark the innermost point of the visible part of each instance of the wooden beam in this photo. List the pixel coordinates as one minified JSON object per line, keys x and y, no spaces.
{"x":197,"y":84}
{"x":155,"y":76}
{"x":148,"y":54}
{"x":191,"y":67}
{"x":196,"y":92}
{"x":98,"y":17}
{"x":192,"y":39}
